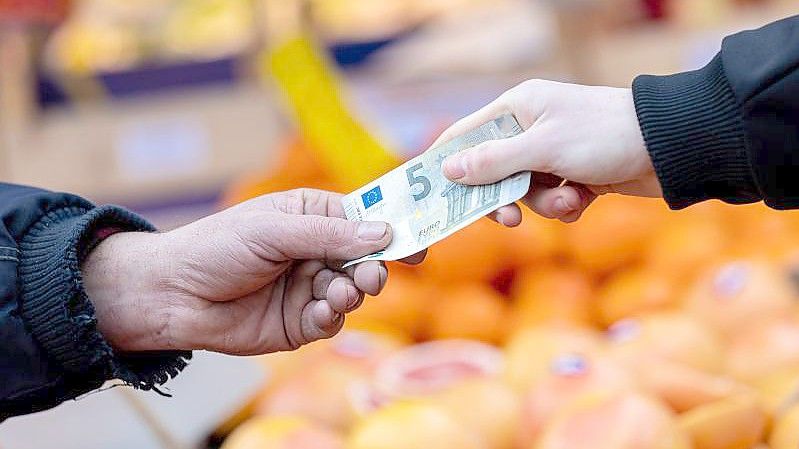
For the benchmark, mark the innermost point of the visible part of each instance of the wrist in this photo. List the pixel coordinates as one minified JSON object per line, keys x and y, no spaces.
{"x":630,"y":135}
{"x":121,"y":279}
{"x":632,"y":172}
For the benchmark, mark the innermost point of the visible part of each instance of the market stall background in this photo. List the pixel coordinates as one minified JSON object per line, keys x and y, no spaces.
{"x":635,"y":328}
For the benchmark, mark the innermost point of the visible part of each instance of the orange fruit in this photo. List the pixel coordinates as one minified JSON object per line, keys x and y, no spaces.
{"x":785,"y":434}
{"x":613,"y":232}
{"x":634,"y":292}
{"x":319,"y":396}
{"x":486,"y":406}
{"x":319,"y":387}
{"x":615,"y":421}
{"x":284,"y":432}
{"x":681,"y":387}
{"x":674,"y":336}
{"x":378,"y":327}
{"x":687,"y":242}
{"x":788,"y":264}
{"x":571,"y":378}
{"x":472,"y":311}
{"x":779,"y":390}
{"x":673,"y":357}
{"x":530,"y":352}
{"x":402,"y":305}
{"x":733,"y":294}
{"x":351,"y":347}
{"x":476,"y":252}
{"x":282,"y":365}
{"x":412,"y":425}
{"x":454,"y":375}
{"x":760,"y":230}
{"x":427,"y":368}
{"x":732,"y":423}
{"x":551,"y":294}
{"x":763,"y":348}
{"x":535,"y":241}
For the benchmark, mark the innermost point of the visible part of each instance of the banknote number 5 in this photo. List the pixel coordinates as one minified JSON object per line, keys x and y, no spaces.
{"x":414,"y":180}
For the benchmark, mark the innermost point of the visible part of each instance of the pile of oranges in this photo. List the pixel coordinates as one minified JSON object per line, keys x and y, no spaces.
{"x":635,"y":328}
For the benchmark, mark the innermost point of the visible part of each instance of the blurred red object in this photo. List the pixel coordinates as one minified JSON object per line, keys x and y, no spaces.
{"x":655,"y":9}
{"x":33,"y":11}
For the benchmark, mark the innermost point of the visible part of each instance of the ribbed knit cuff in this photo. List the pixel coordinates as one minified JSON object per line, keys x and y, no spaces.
{"x":58,"y":312}
{"x":693,"y":129}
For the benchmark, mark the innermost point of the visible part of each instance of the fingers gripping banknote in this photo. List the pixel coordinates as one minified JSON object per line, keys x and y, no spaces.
{"x":424,"y":207}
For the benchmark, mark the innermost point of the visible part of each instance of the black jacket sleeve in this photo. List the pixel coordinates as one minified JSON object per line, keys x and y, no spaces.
{"x":50,"y":349}
{"x":731,"y":129}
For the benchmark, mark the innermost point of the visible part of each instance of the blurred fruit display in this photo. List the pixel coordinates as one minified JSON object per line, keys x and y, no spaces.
{"x":634,"y":328}
{"x":785,"y":433}
{"x":572,"y":378}
{"x":474,"y":311}
{"x":115,"y":35}
{"x":634,"y":292}
{"x":333,"y":370}
{"x":534,"y":288}
{"x":730,"y":296}
{"x":282,"y":432}
{"x":638,"y":328}
{"x":531,"y":353}
{"x":622,"y":420}
{"x":612,"y":234}
{"x":735,"y":423}
{"x":411,"y":425}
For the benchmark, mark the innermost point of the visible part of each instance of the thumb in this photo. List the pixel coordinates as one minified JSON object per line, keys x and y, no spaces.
{"x":495,"y":160}
{"x":317,"y":237}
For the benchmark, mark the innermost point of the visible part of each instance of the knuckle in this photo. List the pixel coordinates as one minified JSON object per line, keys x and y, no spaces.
{"x":505,"y":101}
{"x":529,"y":96}
{"x":530,"y":85}
{"x":288,"y":202}
{"x":310,"y":269}
{"x":446,"y":136}
{"x":328,"y":232}
{"x":546,"y":212}
{"x":295,"y":192}
{"x":294,"y":342}
{"x":295,"y":201}
{"x":479,"y":161}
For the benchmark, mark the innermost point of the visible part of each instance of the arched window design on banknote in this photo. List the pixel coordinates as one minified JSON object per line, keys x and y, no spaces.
{"x":464,"y":201}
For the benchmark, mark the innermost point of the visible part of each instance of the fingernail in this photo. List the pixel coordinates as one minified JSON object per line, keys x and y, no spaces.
{"x":352,"y":293}
{"x":561,"y":207}
{"x":453,"y":167}
{"x":372,"y":230}
{"x":334,"y":322}
{"x":383,"y":275}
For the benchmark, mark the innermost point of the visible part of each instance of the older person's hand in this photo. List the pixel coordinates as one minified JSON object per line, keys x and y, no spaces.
{"x":260,"y":277}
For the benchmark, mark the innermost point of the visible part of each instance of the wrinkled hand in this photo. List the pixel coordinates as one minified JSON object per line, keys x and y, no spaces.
{"x":580,"y":142}
{"x":260,"y":277}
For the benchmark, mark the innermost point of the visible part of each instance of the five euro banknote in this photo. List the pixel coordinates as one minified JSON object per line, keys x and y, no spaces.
{"x":424,"y":207}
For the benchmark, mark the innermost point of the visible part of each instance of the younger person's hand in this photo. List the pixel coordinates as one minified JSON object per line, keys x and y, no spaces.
{"x":580,"y":142}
